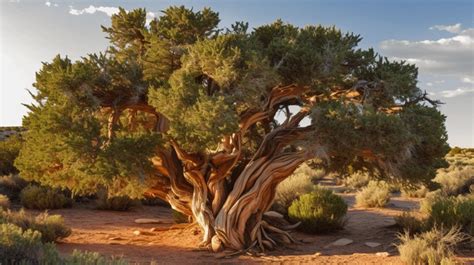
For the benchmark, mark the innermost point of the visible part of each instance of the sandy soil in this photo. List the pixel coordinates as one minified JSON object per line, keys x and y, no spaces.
{"x":112,"y":233}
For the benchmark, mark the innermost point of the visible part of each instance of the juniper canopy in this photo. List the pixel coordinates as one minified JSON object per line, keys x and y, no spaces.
{"x":187,"y":112}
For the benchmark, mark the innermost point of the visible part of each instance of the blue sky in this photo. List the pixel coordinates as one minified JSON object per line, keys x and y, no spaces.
{"x":438,"y":36}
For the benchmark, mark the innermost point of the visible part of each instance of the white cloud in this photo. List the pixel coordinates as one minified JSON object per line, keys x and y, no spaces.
{"x":150,"y":16}
{"x":452,"y":56}
{"x":456,"y":28}
{"x":468,"y":80}
{"x":429,"y":84}
{"x":456,"y":92}
{"x":108,"y":10}
{"x":48,"y":3}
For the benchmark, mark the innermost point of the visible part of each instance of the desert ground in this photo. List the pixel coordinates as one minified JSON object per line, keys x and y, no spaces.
{"x":114,"y":234}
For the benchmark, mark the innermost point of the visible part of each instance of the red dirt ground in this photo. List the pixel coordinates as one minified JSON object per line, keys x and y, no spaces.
{"x":111,"y":233}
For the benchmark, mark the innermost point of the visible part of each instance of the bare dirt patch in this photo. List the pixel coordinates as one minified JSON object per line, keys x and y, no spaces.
{"x":114,"y":234}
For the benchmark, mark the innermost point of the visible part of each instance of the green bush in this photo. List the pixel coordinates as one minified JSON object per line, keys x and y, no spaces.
{"x":4,"y":202}
{"x":41,"y":198}
{"x":300,"y":182}
{"x":51,"y":227}
{"x":11,"y":185}
{"x":432,"y":247}
{"x":376,"y":194}
{"x":411,"y":223}
{"x":18,"y":246}
{"x":318,"y":211}
{"x":453,"y":211}
{"x":456,"y":180}
{"x":429,"y":200}
{"x":9,"y":150}
{"x":116,"y":203}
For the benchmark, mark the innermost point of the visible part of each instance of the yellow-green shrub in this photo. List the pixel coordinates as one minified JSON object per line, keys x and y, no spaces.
{"x":318,"y":211}
{"x":291,"y":188}
{"x":376,"y":194}
{"x":41,"y":198}
{"x":51,"y":227}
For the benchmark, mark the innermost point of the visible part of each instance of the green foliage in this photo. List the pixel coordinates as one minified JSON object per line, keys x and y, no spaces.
{"x":299,"y":183}
{"x":376,"y":194}
{"x":202,"y":80}
{"x":50,"y":227}
{"x":91,"y":258}
{"x":11,"y":185}
{"x":116,"y":203}
{"x":4,"y":202}
{"x":319,"y":211}
{"x":453,"y":211}
{"x":432,"y":247}
{"x":18,"y":246}
{"x":411,"y":223}
{"x":179,"y":218}
{"x":9,"y":150}
{"x":41,"y":198}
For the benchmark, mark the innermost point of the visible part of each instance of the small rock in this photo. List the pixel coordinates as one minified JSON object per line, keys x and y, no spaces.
{"x":342,"y":242}
{"x":317,"y":254}
{"x":372,"y":244}
{"x":382,"y":254}
{"x":148,"y":221}
{"x":137,"y":233}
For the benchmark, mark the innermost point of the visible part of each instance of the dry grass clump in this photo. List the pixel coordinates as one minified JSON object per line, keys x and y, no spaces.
{"x":415,"y":192}
{"x":456,"y":180}
{"x":411,"y":223}
{"x":356,"y":181}
{"x":432,"y":247}
{"x":11,"y":185}
{"x":41,"y":198}
{"x":51,"y":227}
{"x":376,"y":194}
{"x":4,"y":202}
{"x":291,"y":188}
{"x":319,"y":211}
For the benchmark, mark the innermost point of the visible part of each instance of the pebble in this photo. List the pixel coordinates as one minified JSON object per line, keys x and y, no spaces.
{"x":382,"y":254}
{"x":372,"y":244}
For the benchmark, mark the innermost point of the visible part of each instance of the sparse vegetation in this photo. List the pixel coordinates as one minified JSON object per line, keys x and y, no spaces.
{"x":116,"y":203}
{"x":9,"y":150}
{"x":11,"y":185}
{"x":299,"y":183}
{"x":415,"y":192}
{"x":453,"y":211}
{"x":51,"y":227}
{"x":411,"y":223}
{"x":356,"y":181}
{"x":4,"y":202}
{"x":456,"y":180}
{"x":376,"y":194}
{"x":432,"y":247}
{"x":319,"y":211}
{"x":92,"y":258}
{"x":42,"y":198}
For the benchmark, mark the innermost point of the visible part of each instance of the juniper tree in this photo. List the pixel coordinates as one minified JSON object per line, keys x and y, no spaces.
{"x":212,"y":120}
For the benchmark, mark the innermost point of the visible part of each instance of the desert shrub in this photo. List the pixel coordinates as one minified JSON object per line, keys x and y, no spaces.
{"x":357,"y":180}
{"x":291,"y":188}
{"x":376,"y":194}
{"x":411,"y":192}
{"x":9,"y":150}
{"x":179,"y":218}
{"x":4,"y":202}
{"x":116,"y":203}
{"x":456,"y":180}
{"x":318,"y":211}
{"x":429,"y":200}
{"x":453,"y":211}
{"x":91,"y":258}
{"x":51,"y":227}
{"x":18,"y":246}
{"x":41,"y":198}
{"x":11,"y":185}
{"x":431,"y":247}
{"x":411,"y":223}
